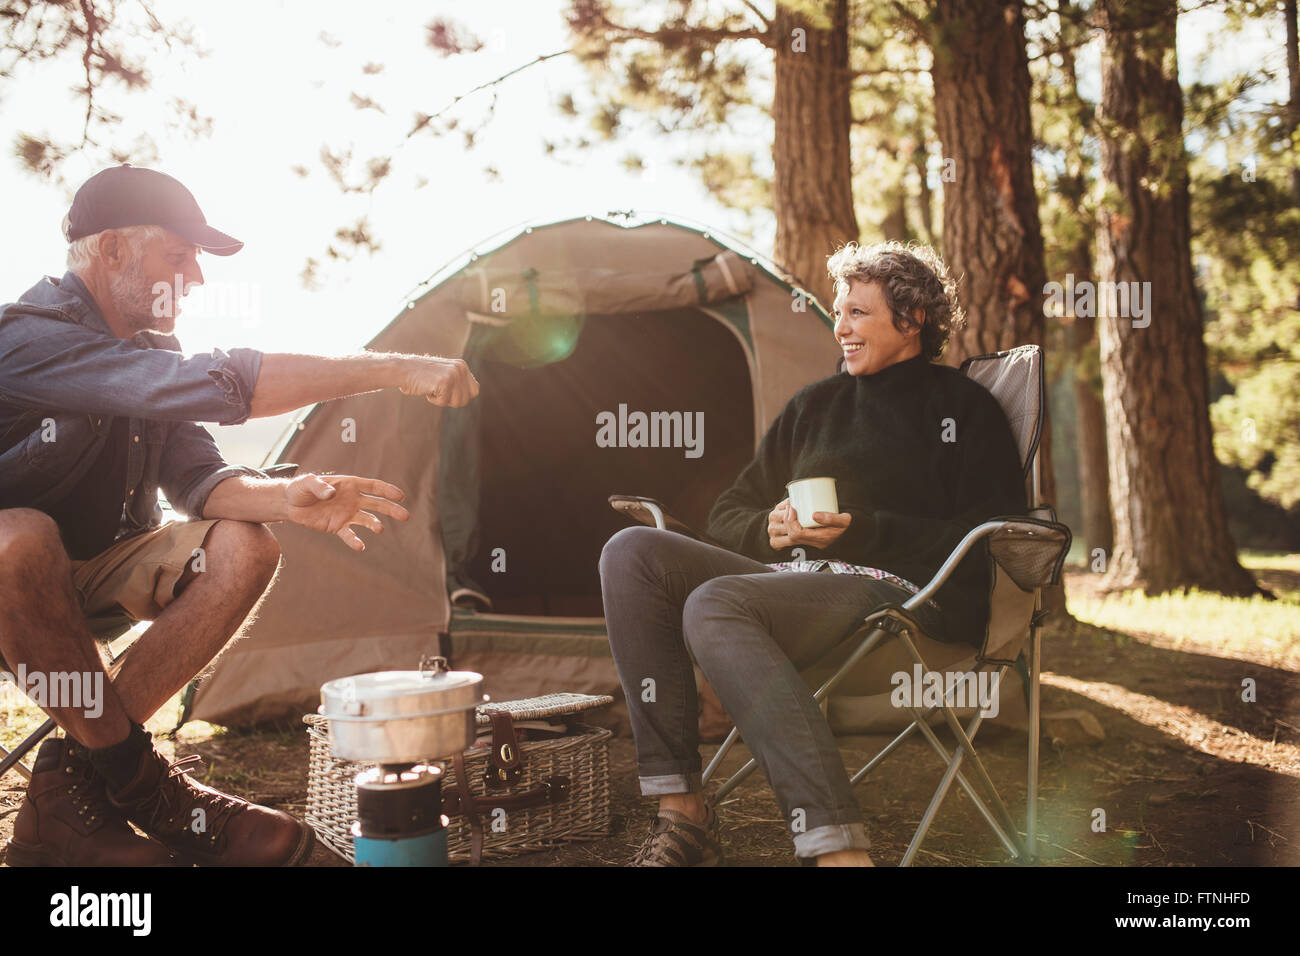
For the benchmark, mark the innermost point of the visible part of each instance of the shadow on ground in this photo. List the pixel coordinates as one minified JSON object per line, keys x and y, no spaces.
{"x":1189,"y":773}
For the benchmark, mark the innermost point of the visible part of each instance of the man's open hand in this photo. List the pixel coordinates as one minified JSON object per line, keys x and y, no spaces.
{"x":785,"y":531}
{"x":442,"y":381}
{"x":333,"y":503}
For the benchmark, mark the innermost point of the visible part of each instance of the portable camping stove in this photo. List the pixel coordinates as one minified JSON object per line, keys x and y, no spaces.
{"x":399,"y":817}
{"x":403,"y":721}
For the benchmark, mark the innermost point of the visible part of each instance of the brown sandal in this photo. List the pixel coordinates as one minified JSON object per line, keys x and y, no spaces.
{"x":675,"y":840}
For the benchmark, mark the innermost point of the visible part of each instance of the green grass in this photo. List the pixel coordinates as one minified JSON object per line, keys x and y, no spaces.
{"x":1254,"y":627}
{"x":19,"y":717}
{"x":1277,"y":560}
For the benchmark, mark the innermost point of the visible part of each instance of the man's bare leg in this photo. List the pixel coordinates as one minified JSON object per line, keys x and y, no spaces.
{"x":240,"y":561}
{"x":42,"y":626}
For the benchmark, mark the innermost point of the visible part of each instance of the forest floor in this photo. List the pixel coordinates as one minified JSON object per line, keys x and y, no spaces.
{"x":1189,"y":772}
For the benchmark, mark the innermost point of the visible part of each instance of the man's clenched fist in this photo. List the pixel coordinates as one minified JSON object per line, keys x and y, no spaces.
{"x":442,"y":381}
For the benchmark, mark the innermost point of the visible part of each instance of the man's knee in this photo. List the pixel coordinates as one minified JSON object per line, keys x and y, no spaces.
{"x":249,"y":549}
{"x":28,"y":537}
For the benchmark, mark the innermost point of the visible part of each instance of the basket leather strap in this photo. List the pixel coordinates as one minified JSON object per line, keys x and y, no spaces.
{"x":505,"y":764}
{"x":470,"y":811}
{"x":550,"y":790}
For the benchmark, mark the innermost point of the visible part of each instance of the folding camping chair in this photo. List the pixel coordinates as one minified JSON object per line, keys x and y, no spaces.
{"x":1027,"y":553}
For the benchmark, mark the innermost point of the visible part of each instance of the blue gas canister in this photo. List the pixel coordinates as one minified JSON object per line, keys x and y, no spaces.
{"x":399,"y":817}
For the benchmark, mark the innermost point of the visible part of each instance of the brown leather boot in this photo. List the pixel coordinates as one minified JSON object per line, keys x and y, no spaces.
{"x":67,"y":820}
{"x":205,"y":826}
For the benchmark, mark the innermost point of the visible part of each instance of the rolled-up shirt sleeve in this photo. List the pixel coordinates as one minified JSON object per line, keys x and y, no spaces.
{"x":192,"y":466}
{"x":235,"y":373}
{"x":47,"y":363}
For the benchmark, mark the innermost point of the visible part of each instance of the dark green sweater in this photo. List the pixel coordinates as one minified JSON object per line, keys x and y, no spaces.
{"x":912,"y":495}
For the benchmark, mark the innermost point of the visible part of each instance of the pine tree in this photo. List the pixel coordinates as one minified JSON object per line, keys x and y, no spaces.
{"x":1171,"y":527}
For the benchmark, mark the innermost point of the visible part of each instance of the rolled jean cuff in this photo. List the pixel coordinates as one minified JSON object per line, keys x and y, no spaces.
{"x":830,"y":839}
{"x":670,"y":783}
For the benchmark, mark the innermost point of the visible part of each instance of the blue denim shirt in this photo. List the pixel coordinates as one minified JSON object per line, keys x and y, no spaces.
{"x":64,"y":378}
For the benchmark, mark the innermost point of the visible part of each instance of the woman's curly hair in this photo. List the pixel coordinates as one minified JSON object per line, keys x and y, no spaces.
{"x":912,"y":277}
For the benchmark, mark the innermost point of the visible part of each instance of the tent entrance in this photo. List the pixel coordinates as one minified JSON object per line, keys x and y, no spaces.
{"x":543,"y":512}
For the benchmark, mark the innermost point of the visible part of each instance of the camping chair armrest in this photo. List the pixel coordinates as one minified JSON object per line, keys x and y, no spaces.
{"x":1050,"y":538}
{"x":649,"y":511}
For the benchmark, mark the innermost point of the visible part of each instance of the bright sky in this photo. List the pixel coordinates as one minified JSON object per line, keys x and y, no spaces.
{"x":277,"y":93}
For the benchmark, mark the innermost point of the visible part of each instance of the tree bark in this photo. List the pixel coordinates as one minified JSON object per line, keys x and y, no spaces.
{"x":919,"y":163}
{"x":1094,"y":489}
{"x":894,"y":225}
{"x":812,"y":186}
{"x":1293,"y":74}
{"x":991,"y":233}
{"x":1171,"y":526}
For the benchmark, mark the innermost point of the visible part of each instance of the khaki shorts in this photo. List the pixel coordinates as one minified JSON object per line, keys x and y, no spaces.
{"x":138,"y":576}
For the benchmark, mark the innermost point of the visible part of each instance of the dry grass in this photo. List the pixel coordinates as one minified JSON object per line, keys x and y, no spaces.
{"x":1189,"y":773}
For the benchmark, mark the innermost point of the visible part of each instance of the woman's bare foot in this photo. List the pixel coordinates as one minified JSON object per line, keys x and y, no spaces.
{"x":845,"y":858}
{"x":690,"y":805}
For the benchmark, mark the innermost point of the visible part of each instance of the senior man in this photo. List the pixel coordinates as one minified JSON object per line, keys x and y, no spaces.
{"x":98,"y":411}
{"x":920,"y":453}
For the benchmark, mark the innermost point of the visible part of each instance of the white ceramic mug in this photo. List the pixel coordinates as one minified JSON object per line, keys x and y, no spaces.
{"x":810,"y":495}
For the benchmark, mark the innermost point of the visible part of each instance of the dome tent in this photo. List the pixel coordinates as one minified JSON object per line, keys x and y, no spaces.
{"x":641,"y":358}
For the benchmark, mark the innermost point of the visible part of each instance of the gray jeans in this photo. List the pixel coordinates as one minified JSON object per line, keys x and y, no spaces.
{"x":669,"y":598}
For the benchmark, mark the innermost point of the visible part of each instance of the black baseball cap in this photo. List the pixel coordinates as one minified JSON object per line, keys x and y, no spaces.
{"x":128,"y":195}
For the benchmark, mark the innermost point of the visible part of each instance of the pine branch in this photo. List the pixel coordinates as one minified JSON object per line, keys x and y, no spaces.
{"x":425,"y":120}
{"x":767,"y":24}
{"x":92,"y":30}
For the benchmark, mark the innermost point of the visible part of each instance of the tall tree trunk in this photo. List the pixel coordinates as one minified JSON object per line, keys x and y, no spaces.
{"x":1094,"y":489}
{"x":812,"y":187}
{"x":1171,"y":526}
{"x":1293,"y":74}
{"x":894,"y":225}
{"x":920,"y":163}
{"x":991,"y":232}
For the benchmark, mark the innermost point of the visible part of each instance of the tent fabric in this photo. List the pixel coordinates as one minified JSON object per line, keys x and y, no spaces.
{"x":510,"y":291}
{"x":541,"y":499}
{"x":333,"y":612}
{"x":519,"y":653}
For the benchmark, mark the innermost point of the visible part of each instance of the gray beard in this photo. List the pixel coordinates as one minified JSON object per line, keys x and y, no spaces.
{"x":132,"y":299}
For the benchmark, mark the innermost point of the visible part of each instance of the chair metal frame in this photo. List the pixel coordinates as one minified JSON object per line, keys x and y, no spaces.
{"x":896,"y":622}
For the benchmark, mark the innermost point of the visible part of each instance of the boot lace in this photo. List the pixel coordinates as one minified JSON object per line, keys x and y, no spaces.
{"x":169,"y":801}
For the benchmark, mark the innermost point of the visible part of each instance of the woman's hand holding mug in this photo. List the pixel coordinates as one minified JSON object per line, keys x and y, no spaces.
{"x":785,"y":531}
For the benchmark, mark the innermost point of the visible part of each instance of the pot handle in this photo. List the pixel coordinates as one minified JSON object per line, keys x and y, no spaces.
{"x":431,"y":665}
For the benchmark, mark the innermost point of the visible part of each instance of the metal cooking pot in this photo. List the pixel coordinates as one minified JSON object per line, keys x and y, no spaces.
{"x":402,"y":716}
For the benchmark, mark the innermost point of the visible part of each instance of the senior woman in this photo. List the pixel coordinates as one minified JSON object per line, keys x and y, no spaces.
{"x":920,"y":453}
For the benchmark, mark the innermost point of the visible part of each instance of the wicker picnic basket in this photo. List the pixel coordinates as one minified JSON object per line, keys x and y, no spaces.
{"x":578,"y":809}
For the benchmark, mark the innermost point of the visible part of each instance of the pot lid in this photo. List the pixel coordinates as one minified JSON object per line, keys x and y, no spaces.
{"x":384,"y":685}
